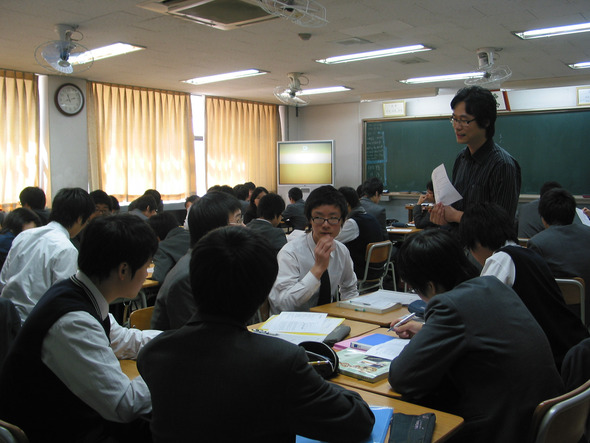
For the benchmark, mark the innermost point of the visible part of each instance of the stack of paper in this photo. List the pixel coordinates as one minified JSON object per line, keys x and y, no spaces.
{"x":380,"y":302}
{"x":296,"y":327}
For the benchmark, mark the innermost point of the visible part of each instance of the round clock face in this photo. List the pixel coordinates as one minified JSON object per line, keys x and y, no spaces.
{"x":69,"y":99}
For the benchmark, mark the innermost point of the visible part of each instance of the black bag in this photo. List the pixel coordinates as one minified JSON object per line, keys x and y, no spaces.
{"x":412,"y":428}
{"x":322,"y":357}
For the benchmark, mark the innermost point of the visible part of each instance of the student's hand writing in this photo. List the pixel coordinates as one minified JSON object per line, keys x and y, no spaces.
{"x":407,"y":330}
{"x":323,"y":248}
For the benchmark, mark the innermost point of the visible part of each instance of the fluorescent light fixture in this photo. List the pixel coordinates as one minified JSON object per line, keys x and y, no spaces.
{"x":324,"y":90}
{"x":374,"y":54}
{"x":226,"y":76}
{"x":552,"y":32}
{"x":104,"y":52}
{"x":580,"y":65}
{"x":442,"y":78}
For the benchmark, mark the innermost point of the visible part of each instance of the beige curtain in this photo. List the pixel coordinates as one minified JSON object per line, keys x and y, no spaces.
{"x":22,"y":163}
{"x":241,"y":139}
{"x":140,"y":139}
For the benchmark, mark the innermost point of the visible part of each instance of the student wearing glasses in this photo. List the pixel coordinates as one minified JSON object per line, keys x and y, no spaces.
{"x":314,"y":268}
{"x":483,"y":171}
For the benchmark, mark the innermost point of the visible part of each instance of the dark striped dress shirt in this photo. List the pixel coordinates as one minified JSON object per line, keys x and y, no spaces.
{"x":490,"y":175}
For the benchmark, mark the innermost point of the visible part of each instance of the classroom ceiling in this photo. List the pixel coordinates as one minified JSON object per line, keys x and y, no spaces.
{"x":178,"y":49}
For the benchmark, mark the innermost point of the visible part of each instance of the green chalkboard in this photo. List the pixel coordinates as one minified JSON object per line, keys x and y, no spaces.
{"x":552,"y":145}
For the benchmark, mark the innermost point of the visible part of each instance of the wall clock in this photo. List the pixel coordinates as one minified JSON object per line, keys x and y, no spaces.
{"x":69,"y":99}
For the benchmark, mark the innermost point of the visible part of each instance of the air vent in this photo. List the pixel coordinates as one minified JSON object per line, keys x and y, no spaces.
{"x":221,"y":14}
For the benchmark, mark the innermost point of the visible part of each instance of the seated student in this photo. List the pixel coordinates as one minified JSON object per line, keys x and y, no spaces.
{"x":489,"y":234}
{"x":295,"y":211}
{"x":563,"y":244}
{"x":480,"y":355}
{"x":33,"y":198}
{"x":270,"y":208}
{"x":243,"y":194}
{"x":103,"y":207}
{"x":116,"y":207}
{"x":174,"y":242}
{"x":157,"y":197}
{"x":315,"y":269}
{"x":62,"y":380}
{"x":144,"y":207}
{"x":175,"y":304}
{"x":358,"y":231}
{"x":188,"y":202}
{"x":252,"y":211}
{"x":421,"y":214}
{"x":372,"y":190}
{"x":205,"y":376}
{"x":40,"y":257}
{"x":16,"y":222}
{"x":529,"y":220}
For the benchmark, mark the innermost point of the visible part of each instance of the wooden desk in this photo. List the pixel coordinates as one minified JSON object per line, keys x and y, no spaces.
{"x":149,"y":283}
{"x":400,"y":234}
{"x":410,"y":208}
{"x":367,"y":317}
{"x":129,"y":368}
{"x":446,"y":424}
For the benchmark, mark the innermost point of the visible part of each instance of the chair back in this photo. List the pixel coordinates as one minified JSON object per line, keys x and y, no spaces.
{"x":377,"y":261}
{"x":562,"y":419}
{"x":10,"y":433}
{"x":573,"y":291}
{"x":141,"y":318}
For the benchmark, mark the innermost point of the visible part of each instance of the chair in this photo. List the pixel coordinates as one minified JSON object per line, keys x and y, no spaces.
{"x":141,"y":318}
{"x":377,"y":261}
{"x":573,"y":290}
{"x":562,"y":419}
{"x":10,"y":433}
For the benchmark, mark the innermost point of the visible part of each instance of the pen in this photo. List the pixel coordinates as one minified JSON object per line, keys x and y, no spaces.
{"x":319,"y":362}
{"x":262,"y":331}
{"x":403,"y":321}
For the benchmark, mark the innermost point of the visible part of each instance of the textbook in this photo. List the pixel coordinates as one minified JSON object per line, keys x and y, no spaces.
{"x":365,"y":367}
{"x":379,"y":302}
{"x":383,"y":416}
{"x":367,"y":342}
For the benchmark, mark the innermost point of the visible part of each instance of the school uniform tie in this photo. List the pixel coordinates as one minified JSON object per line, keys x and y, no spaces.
{"x":325,"y":290}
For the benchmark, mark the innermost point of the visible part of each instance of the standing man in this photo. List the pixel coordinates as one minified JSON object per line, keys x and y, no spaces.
{"x":483,"y":171}
{"x":40,"y":257}
{"x":372,"y":191}
{"x":315,"y":269}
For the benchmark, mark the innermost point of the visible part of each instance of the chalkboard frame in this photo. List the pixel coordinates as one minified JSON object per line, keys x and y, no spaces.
{"x":567,"y":171}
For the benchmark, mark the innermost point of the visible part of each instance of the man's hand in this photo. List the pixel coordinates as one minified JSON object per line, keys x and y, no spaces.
{"x":407,"y":330}
{"x":322,"y":251}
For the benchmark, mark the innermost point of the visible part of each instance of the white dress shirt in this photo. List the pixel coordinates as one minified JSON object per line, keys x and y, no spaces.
{"x":349,"y":231}
{"x":501,"y":266}
{"x":78,"y":352}
{"x":38,"y":258}
{"x":297,"y":289}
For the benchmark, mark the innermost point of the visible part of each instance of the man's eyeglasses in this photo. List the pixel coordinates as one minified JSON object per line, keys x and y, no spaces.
{"x":454,"y":120}
{"x":320,"y":220}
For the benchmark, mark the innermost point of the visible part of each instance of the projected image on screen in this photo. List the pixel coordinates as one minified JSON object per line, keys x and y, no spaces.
{"x":305,"y":163}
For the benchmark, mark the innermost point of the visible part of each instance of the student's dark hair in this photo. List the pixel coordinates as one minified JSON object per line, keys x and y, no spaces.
{"x":69,"y":205}
{"x":547,"y":186}
{"x":558,"y":207}
{"x":295,"y":194}
{"x":229,"y":251}
{"x":101,"y":197}
{"x":114,"y":203}
{"x":270,"y":206}
{"x":480,"y":103}
{"x":16,"y":219}
{"x":109,"y":241}
{"x":359,"y":190}
{"x":210,"y":212}
{"x":430,"y":186}
{"x":143,"y":202}
{"x":157,"y":198}
{"x":242,"y":192}
{"x":191,"y":199}
{"x":259,"y":190}
{"x":250,"y":185}
{"x":326,"y":195}
{"x":433,"y":256}
{"x":487,"y":224}
{"x":350,"y":195}
{"x":33,"y":197}
{"x":372,"y":186}
{"x":163,"y":223}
